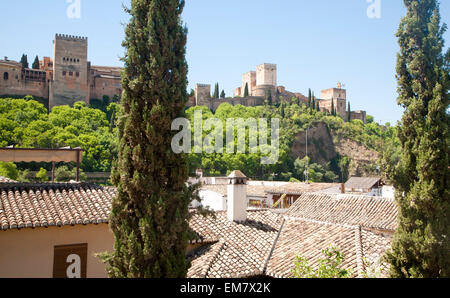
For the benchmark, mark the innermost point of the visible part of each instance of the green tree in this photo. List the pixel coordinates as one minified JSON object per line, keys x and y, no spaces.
{"x":269,"y":97}
{"x":42,"y":175}
{"x":328,"y":267}
{"x":309,"y":98}
{"x":246,"y":90}
{"x":222,"y":94}
{"x":150,"y":213}
{"x":35,"y":64}
{"x":344,"y":166}
{"x":216,"y":91}
{"x":64,"y":174}
{"x":349,"y":113}
{"x":9,"y":170}
{"x":24,"y":61}
{"x":421,"y":246}
{"x":333,"y":111}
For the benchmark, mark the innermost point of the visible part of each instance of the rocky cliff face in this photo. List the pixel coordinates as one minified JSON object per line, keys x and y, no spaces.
{"x":325,"y":145}
{"x":321,"y":148}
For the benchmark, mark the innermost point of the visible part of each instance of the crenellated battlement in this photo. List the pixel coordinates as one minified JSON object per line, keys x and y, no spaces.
{"x":70,"y":37}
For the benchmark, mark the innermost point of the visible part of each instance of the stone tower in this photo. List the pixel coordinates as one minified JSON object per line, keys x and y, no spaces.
{"x":339,"y":98}
{"x":266,"y":75}
{"x":248,"y":79}
{"x":70,"y":71}
{"x":202,"y":94}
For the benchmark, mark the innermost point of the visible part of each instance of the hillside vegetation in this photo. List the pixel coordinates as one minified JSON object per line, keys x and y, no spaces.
{"x":336,"y":148}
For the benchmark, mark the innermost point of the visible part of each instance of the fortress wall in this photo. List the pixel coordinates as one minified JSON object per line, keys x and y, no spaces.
{"x":359,"y":115}
{"x":261,"y":91}
{"x":101,"y":86}
{"x":14,"y":83}
{"x":250,"y":101}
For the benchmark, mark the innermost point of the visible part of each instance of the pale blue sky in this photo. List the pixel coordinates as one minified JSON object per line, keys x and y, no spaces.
{"x":314,"y":43}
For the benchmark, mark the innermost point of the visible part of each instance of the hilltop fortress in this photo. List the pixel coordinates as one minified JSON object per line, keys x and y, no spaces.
{"x":262,"y":83}
{"x":65,"y":79}
{"x":69,"y":77}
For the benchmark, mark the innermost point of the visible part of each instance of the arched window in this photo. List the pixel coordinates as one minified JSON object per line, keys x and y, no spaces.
{"x":5,"y":76}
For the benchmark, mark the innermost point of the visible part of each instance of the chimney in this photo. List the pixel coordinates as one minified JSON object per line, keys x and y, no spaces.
{"x":342,"y":188}
{"x":237,"y":197}
{"x":199,"y":173}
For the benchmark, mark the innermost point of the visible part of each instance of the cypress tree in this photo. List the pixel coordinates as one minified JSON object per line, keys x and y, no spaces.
{"x":246,"y":90}
{"x":349,"y":114}
{"x":216,"y":91}
{"x":222,"y":94}
{"x":35,"y":64}
{"x":269,"y":97}
{"x":24,"y":61}
{"x":149,"y":216}
{"x":309,"y":98}
{"x":333,"y":112}
{"x":314,"y":108}
{"x":421,"y":245}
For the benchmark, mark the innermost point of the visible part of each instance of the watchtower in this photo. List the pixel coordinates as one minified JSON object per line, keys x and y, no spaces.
{"x":70,"y":70}
{"x":266,"y":74}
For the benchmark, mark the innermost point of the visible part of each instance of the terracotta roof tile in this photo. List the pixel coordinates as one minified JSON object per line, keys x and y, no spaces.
{"x":361,"y":226}
{"x":43,"y":205}
{"x":298,"y":188}
{"x":252,"y":190}
{"x":371,"y":212}
{"x":361,"y":182}
{"x":245,"y":246}
{"x":307,"y":239}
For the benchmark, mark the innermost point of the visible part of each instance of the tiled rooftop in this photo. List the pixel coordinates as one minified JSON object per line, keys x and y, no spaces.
{"x":299,"y":188}
{"x":242,"y":249}
{"x":361,"y":182}
{"x":252,"y":190}
{"x":360,"y":247}
{"x":370,"y":212}
{"x":44,"y":205}
{"x":265,"y":244}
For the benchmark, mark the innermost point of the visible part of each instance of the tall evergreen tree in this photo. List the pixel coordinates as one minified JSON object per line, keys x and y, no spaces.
{"x":349,"y":113}
{"x":216,"y":91}
{"x":149,"y":216}
{"x":246,"y":90}
{"x":222,"y":94}
{"x":421,"y":245}
{"x":24,"y":61}
{"x":269,"y":97}
{"x":333,"y":111}
{"x":309,"y":98}
{"x":35,"y":64}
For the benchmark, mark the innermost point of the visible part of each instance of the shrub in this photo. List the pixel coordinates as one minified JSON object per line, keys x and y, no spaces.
{"x":329,"y":267}
{"x":42,"y":175}
{"x":9,"y":170}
